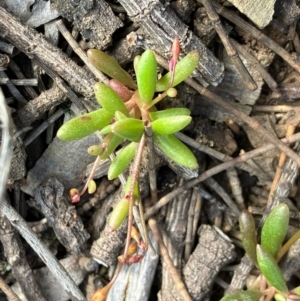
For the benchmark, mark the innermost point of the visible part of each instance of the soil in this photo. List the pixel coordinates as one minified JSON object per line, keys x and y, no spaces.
{"x":243,"y":102}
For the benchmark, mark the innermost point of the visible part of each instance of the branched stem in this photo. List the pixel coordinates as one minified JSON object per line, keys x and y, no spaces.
{"x":134,"y":178}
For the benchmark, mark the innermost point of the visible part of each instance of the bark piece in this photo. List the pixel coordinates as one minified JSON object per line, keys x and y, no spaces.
{"x":4,"y":61}
{"x":36,"y":107}
{"x":160,"y":23}
{"x":214,"y":135}
{"x":17,"y":167}
{"x":106,"y":249}
{"x":32,"y":12}
{"x":290,"y":264}
{"x":213,"y":112}
{"x":66,"y":161}
{"x":15,"y":254}
{"x":94,"y":19}
{"x":286,"y":11}
{"x":240,"y":275}
{"x":235,"y":85}
{"x":213,"y":252}
{"x":174,"y":237}
{"x":203,"y":27}
{"x":34,"y":45}
{"x":265,"y":161}
{"x":259,"y":12}
{"x":184,"y":9}
{"x":61,"y":216}
{"x":50,"y":286}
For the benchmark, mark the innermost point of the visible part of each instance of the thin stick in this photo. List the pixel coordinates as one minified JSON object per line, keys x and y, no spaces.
{"x":13,"y":90}
{"x":236,"y":188}
{"x":19,"y":82}
{"x":134,"y":178}
{"x":275,"y":108}
{"x":5,"y":146}
{"x":223,"y":195}
{"x":151,"y":164}
{"x":62,"y":85}
{"x":229,"y":47}
{"x":180,"y":287}
{"x":257,"y":34}
{"x":8,"y":291}
{"x":263,"y":72}
{"x":189,"y":241}
{"x":220,"y":156}
{"x":63,"y":30}
{"x":290,"y":131}
{"x":245,"y":118}
{"x":18,"y":222}
{"x":213,"y":171}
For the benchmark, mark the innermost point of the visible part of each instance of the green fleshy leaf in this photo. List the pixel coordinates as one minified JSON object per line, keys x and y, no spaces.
{"x":136,"y":62}
{"x":119,"y":116}
{"x":249,"y":295}
{"x":172,"y":92}
{"x":135,"y":190}
{"x":176,"y":150}
{"x":109,"y":99}
{"x":279,"y":297}
{"x":169,"y":113}
{"x":124,"y":93}
{"x":248,"y":232}
{"x":84,"y":125}
{"x":121,"y":161}
{"x":296,"y":290}
{"x":92,"y":186}
{"x":106,"y":130}
{"x":275,"y":228}
{"x":95,"y":150}
{"x":110,"y":66}
{"x":183,"y":70}
{"x":146,"y":75}
{"x":119,"y":214}
{"x":170,"y":125}
{"x":270,"y":270}
{"x":129,"y":128}
{"x":109,"y":144}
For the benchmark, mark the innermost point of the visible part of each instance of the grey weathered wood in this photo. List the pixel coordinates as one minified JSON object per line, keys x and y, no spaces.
{"x":58,"y":161}
{"x":213,"y":252}
{"x":94,"y":19}
{"x":53,"y":289}
{"x":61,"y":216}
{"x":134,"y":282}
{"x":105,"y":250}
{"x":160,"y":23}
{"x":15,"y":255}
{"x":259,"y":12}
{"x":17,"y":221}
{"x":34,"y":45}
{"x":44,"y":253}
{"x":6,"y":131}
